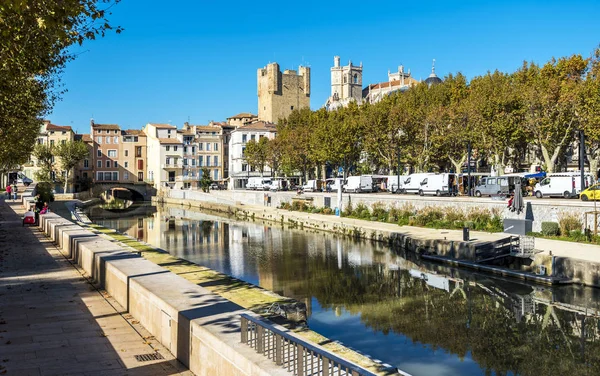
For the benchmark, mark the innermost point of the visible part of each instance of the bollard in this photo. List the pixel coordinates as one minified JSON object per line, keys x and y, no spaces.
{"x":465,"y":234}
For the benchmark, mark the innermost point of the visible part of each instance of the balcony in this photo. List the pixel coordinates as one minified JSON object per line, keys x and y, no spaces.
{"x":172,"y":165}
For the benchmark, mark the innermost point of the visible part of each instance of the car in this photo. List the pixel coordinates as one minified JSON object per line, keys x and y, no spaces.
{"x":22,"y":179}
{"x":592,"y":193}
{"x":217,"y":186}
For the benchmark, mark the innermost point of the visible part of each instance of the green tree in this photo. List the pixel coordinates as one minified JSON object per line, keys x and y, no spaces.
{"x":589,"y":98}
{"x":257,"y":154}
{"x":70,"y":154}
{"x":44,"y":153}
{"x":295,"y":133}
{"x":205,"y":180}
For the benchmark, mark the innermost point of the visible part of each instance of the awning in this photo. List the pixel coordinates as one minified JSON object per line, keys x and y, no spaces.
{"x":537,"y":175}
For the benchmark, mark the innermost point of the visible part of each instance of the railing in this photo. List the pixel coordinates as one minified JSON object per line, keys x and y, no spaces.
{"x":295,"y":355}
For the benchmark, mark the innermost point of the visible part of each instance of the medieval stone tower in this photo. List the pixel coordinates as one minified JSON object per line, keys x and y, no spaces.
{"x":346,"y":82}
{"x":281,"y":93}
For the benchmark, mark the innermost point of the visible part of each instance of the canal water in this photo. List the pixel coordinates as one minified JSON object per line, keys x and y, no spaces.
{"x":423,"y":318}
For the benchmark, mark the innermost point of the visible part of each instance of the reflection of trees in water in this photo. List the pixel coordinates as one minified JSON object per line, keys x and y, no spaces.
{"x":545,"y":342}
{"x":206,"y":227}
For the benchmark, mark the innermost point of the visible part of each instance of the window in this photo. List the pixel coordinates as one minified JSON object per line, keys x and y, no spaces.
{"x":185,"y":149}
{"x":116,"y":139}
{"x":126,"y":165}
{"x":491,"y":181}
{"x":126,"y":176}
{"x":99,"y":153}
{"x":112,"y":153}
{"x":200,"y":146}
{"x":193,"y":162}
{"x":127,"y":153}
{"x":208,"y":160}
{"x":108,"y":164}
{"x":185,"y":161}
{"x":169,"y":131}
{"x":200,"y":161}
{"x":85,"y":175}
{"x":216,"y":146}
{"x":216,"y":160}
{"x":243,"y":151}
{"x":63,"y":142}
{"x":51,"y":142}
{"x":253,"y":137}
{"x":292,"y":108}
{"x":99,"y":164}
{"x":140,"y":164}
{"x":216,"y":174}
{"x":108,"y":139}
{"x":116,"y":131}
{"x":115,"y":176}
{"x":116,"y":164}
{"x":208,"y":146}
{"x":193,"y":150}
{"x":140,"y":176}
{"x":168,"y":147}
{"x":244,"y":167}
{"x":86,"y":163}
{"x":107,"y":176}
{"x":99,"y":139}
{"x":175,"y":148}
{"x":168,"y":161}
{"x":138,"y":151}
{"x":244,"y":138}
{"x":355,"y":78}
{"x":99,"y":176}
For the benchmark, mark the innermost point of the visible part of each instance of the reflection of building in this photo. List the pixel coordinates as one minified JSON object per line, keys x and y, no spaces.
{"x":281,"y":93}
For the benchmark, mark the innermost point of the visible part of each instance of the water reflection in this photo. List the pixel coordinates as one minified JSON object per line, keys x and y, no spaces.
{"x":424,"y":319}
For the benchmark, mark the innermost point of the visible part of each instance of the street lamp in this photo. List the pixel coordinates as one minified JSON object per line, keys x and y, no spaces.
{"x":398,"y":172}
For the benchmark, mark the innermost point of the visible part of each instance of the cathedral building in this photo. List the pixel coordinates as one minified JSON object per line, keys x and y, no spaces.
{"x":281,"y":93}
{"x":346,"y":84}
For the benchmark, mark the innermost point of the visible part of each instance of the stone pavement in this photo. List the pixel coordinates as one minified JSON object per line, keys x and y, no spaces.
{"x":53,"y":322}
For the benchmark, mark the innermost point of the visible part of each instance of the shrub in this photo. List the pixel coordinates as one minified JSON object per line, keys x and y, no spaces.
{"x":379,"y":212}
{"x":480,"y":218}
{"x":569,"y":222}
{"x":45,"y":191}
{"x":453,"y":215}
{"x":550,"y":228}
{"x":327,"y":211}
{"x":406,"y":211}
{"x":347,"y":212}
{"x":577,"y":235}
{"x":428,"y":216}
{"x":361,"y":211}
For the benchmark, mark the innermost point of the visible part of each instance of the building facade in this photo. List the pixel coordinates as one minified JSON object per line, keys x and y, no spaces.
{"x":53,"y":135}
{"x":164,"y":156}
{"x":106,"y":140}
{"x":397,"y":82}
{"x":133,"y":158}
{"x":239,"y":171}
{"x":241,"y":119}
{"x":281,"y":93}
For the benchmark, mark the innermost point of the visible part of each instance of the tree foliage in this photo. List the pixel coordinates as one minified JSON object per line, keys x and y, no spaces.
{"x":35,"y":41}
{"x":70,"y":154}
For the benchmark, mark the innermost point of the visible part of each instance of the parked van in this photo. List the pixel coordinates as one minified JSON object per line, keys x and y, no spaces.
{"x":496,"y":185}
{"x":565,"y":184}
{"x":313,"y":186}
{"x":392,"y":183}
{"x":363,"y":183}
{"x":438,"y":184}
{"x":413,"y":182}
{"x":259,"y":183}
{"x":279,"y":185}
{"x":333,"y":184}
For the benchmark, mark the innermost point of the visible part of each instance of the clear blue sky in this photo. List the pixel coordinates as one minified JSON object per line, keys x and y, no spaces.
{"x":198,"y":59}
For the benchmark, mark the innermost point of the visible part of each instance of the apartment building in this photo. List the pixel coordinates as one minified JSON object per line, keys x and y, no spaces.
{"x":84,"y":171}
{"x":191,"y":173}
{"x":106,"y":140}
{"x":50,"y":134}
{"x":164,"y":156}
{"x":239,"y":171}
{"x":133,"y":157}
{"x":210,"y":150}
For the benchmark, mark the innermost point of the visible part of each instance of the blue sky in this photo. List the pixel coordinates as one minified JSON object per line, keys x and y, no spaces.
{"x":197,"y":60}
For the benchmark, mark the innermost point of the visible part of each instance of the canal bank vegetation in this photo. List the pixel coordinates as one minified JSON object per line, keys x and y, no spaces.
{"x":480,"y":219}
{"x":568,"y":228}
{"x":246,"y":295}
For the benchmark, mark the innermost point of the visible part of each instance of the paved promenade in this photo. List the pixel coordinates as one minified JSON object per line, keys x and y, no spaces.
{"x":53,"y":322}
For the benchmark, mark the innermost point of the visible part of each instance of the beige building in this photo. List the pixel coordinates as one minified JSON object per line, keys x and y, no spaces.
{"x":50,"y":134}
{"x":241,"y":119}
{"x":84,"y":172}
{"x":132,"y":161}
{"x":164,"y":156}
{"x":281,"y":93}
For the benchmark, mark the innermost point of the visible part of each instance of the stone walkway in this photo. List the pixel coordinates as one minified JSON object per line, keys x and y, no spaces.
{"x":53,"y":322}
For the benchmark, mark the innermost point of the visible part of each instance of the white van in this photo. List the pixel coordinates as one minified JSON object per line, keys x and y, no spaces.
{"x":279,"y":185}
{"x":565,"y":184}
{"x":392,"y":183}
{"x":437,"y":184}
{"x":312,"y":186}
{"x":259,"y":183}
{"x":413,"y":182}
{"x":333,"y":184}
{"x":363,"y":183}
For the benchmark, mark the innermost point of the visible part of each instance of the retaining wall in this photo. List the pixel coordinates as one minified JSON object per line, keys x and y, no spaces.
{"x":200,"y":328}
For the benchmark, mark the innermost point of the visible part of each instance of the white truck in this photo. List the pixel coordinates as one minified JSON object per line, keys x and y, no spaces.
{"x":437,"y":184}
{"x":259,"y":183}
{"x":312,"y":186}
{"x":413,"y":182}
{"x":357,"y":184}
{"x":332,"y":184}
{"x":564,"y":184}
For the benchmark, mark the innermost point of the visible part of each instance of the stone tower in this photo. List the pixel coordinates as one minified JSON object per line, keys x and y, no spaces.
{"x":346,"y":82}
{"x":281,"y":93}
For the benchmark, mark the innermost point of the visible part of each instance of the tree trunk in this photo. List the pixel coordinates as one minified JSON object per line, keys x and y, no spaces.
{"x":66,"y":181}
{"x":458,"y":164}
{"x":550,"y":160}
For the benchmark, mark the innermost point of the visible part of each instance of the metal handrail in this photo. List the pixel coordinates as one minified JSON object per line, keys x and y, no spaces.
{"x":293,"y":353}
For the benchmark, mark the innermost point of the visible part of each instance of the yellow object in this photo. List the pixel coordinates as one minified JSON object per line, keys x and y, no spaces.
{"x":592,"y":193}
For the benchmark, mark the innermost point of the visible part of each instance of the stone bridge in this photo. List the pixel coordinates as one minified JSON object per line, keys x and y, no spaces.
{"x":140,"y":192}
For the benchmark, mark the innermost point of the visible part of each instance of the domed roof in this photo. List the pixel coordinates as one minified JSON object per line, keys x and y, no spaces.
{"x":433,"y":79}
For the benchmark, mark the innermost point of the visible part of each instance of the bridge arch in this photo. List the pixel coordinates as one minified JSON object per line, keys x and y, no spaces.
{"x":139,"y":192}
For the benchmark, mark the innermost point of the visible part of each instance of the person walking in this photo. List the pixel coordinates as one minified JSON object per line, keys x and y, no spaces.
{"x":15,"y":190}
{"x":8,"y":192}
